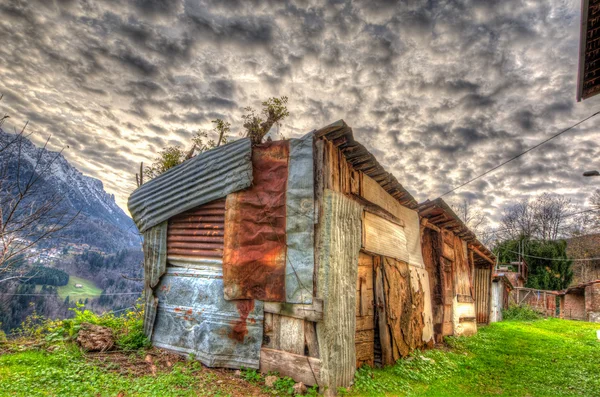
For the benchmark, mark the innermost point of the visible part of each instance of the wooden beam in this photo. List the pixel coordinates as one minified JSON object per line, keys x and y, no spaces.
{"x":430,"y":225}
{"x":313,"y":312}
{"x":300,"y":368}
{"x":377,"y":210}
{"x":482,"y":255}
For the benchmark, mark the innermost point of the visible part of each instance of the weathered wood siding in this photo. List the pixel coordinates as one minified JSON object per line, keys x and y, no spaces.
{"x":338,"y":272}
{"x":383,"y":237}
{"x":401,"y":293}
{"x":365,"y":312}
{"x":482,"y":281}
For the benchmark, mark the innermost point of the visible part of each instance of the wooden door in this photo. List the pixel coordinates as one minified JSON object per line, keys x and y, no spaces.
{"x":447,"y":279}
{"x":365,"y":312}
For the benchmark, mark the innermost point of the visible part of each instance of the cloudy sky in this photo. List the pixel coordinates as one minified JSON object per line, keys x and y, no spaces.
{"x":440,"y":91}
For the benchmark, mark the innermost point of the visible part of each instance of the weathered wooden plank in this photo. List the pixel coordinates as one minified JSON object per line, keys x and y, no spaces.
{"x":365,"y":336}
{"x":310,"y":338}
{"x":300,"y":368}
{"x":338,"y":271}
{"x":365,"y":323}
{"x":382,"y":237}
{"x":271,"y":331}
{"x":384,"y":331}
{"x":374,"y":193}
{"x":291,"y":335}
{"x":447,"y":251}
{"x":365,"y":354}
{"x":312,"y":312}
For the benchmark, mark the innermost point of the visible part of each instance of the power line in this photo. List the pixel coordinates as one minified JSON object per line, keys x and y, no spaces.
{"x":557,"y":259}
{"x":521,"y":154}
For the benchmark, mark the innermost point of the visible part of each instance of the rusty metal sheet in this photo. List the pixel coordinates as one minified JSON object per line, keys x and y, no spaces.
{"x":202,"y":179}
{"x":193,"y":317}
{"x":155,"y":254}
{"x":255,"y":239}
{"x":198,"y":232}
{"x":300,"y":217}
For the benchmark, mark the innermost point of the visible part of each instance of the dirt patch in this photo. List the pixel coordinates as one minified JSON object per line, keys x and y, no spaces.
{"x":156,"y":361}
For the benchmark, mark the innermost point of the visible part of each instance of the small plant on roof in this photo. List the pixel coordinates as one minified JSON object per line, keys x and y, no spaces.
{"x":175,"y":155}
{"x":274,"y":111}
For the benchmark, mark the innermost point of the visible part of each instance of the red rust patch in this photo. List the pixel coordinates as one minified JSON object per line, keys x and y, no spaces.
{"x":239,"y":327}
{"x":255,"y":241}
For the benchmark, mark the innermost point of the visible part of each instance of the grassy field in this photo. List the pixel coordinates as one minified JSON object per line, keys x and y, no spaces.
{"x":89,"y":289}
{"x":513,"y":358}
{"x":539,"y":358}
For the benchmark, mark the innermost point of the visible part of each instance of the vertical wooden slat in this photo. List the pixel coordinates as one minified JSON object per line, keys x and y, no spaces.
{"x":340,"y":243}
{"x":291,"y":335}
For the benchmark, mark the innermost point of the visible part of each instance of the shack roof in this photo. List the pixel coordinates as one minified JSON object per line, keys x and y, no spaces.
{"x":227,"y":169}
{"x":204,"y":178}
{"x":439,"y":213}
{"x":579,"y":288}
{"x":502,"y":276}
{"x":340,"y":134}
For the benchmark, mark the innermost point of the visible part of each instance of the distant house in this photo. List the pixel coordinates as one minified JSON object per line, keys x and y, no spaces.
{"x":301,"y":256}
{"x":581,"y":302}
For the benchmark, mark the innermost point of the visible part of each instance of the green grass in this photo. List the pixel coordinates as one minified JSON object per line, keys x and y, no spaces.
{"x":512,"y":358}
{"x":66,"y":373}
{"x":89,"y":289}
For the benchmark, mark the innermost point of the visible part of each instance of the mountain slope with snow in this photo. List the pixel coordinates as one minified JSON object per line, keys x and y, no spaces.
{"x":101,"y":223}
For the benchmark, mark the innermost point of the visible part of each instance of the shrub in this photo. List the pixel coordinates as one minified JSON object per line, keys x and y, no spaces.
{"x":521,"y":313}
{"x":128,"y":329}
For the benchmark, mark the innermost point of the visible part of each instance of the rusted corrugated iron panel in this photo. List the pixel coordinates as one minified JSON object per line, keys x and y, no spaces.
{"x":383,"y":237}
{"x":255,"y":230}
{"x":202,"y":179}
{"x":193,"y":317}
{"x":300,"y":210}
{"x":362,"y":160}
{"x":155,"y":254}
{"x":198,"y":232}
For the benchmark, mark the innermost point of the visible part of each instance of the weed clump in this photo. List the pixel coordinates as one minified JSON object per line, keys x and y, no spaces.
{"x":520,"y":313}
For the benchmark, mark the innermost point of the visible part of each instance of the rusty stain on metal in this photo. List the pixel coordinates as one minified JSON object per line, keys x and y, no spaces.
{"x":255,"y":229}
{"x":193,"y":317}
{"x":239,"y":327}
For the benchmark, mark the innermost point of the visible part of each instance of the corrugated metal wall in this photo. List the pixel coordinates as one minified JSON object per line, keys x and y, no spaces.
{"x":482,"y":280}
{"x":197,"y":232}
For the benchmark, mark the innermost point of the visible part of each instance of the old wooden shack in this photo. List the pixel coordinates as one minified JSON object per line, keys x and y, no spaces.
{"x":460,"y":271}
{"x":300,"y":256}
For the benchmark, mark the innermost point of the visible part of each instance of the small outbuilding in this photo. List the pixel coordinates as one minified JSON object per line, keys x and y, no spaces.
{"x":501,"y":287}
{"x":300,"y":256}
{"x":460,"y":271}
{"x":581,"y":302}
